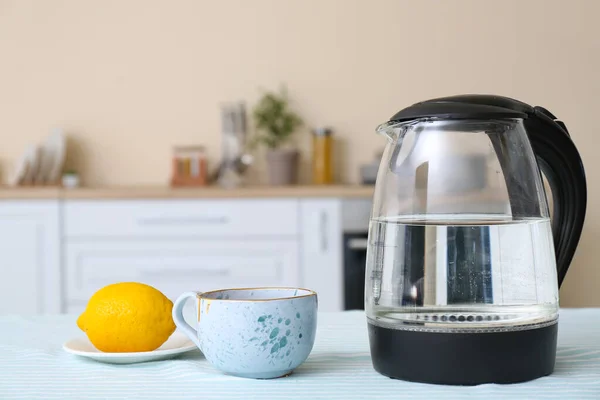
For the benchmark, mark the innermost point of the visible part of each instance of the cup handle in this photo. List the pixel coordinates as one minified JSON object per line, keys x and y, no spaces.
{"x":180,"y":322}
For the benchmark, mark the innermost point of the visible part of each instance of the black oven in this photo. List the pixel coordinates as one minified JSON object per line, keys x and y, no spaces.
{"x":355,"y":259}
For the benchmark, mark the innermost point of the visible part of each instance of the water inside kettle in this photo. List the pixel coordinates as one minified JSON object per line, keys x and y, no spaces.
{"x":472,"y":272}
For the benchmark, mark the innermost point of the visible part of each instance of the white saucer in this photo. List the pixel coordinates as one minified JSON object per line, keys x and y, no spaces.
{"x":177,"y":344}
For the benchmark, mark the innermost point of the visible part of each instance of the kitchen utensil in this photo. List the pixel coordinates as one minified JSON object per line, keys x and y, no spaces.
{"x":259,"y":333}
{"x":464,"y":263}
{"x":239,"y":165}
{"x":177,"y":344}
{"x":243,"y":162}
{"x":234,"y":160}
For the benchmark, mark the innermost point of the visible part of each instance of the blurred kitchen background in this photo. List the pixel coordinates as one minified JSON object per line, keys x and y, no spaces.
{"x":140,"y":138}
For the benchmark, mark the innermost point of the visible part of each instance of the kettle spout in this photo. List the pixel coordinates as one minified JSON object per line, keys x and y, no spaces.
{"x":389,"y":130}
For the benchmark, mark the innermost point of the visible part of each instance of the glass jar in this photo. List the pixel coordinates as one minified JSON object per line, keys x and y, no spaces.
{"x":189,"y":166}
{"x":322,"y":163}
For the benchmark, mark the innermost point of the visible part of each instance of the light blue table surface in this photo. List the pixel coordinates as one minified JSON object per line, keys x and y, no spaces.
{"x":33,"y":365}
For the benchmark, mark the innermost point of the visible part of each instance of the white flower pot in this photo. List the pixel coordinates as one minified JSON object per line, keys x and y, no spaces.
{"x":70,"y":181}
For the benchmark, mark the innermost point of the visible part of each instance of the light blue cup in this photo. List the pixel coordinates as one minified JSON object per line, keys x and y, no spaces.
{"x":259,"y":333}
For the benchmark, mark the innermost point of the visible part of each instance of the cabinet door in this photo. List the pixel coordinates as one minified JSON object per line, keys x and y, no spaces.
{"x":322,"y":268}
{"x":29,"y":257}
{"x":176,"y":266}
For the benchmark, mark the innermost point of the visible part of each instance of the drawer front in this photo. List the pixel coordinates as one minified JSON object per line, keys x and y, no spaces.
{"x":178,"y":266}
{"x":181,"y":217}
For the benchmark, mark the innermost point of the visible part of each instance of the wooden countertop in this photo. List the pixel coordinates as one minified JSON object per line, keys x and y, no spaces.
{"x":31,"y":193}
{"x":165,"y":192}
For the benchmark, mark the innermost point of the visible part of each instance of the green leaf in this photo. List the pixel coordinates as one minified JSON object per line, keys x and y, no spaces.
{"x":274,"y":120}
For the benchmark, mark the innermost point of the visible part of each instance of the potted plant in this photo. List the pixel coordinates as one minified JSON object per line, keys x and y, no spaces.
{"x":70,"y":179}
{"x":275,"y":123}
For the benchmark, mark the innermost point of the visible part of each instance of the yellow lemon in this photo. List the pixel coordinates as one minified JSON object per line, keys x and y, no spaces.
{"x":127,"y":317}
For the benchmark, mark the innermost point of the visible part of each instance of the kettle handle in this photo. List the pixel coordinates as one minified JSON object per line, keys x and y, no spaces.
{"x":561,"y":163}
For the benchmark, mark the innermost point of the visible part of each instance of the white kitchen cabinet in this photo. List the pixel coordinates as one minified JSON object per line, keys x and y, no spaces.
{"x":174,"y":266}
{"x":322,"y":253}
{"x":30,"y":257}
{"x":54,"y":254}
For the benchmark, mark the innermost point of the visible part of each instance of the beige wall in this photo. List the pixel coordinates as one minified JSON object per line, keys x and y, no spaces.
{"x":130,"y":79}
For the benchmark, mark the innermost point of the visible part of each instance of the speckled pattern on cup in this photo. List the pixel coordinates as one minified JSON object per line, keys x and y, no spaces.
{"x":253,"y":333}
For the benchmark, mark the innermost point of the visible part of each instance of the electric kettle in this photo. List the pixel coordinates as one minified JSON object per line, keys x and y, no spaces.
{"x":465,"y":254}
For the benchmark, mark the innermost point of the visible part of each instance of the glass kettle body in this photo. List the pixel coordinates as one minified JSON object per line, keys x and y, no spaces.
{"x":464,"y":261}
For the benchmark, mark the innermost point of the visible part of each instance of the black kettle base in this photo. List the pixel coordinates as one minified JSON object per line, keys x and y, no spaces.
{"x":464,"y":358}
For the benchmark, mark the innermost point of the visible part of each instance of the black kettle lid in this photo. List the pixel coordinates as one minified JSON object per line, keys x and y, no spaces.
{"x":466,"y":106}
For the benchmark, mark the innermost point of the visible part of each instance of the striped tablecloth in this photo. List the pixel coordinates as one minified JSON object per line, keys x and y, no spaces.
{"x":33,"y":365}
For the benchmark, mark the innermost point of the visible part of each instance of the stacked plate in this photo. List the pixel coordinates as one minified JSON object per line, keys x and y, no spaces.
{"x":42,"y":164}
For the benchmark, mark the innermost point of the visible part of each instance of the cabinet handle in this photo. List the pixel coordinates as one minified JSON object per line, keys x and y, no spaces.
{"x":185,"y":273}
{"x":323,"y":226}
{"x":183,"y":220}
